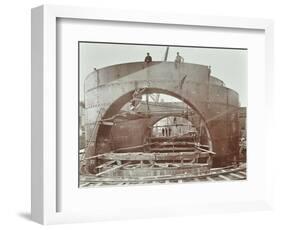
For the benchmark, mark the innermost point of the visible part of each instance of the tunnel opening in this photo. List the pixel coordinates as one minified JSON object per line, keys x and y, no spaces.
{"x":151,"y":129}
{"x":130,"y":122}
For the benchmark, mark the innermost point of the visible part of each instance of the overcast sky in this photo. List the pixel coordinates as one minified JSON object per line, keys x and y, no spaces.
{"x":229,"y":65}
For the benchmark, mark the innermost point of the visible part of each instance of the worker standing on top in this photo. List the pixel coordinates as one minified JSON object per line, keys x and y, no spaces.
{"x":179,"y":59}
{"x":147,"y":59}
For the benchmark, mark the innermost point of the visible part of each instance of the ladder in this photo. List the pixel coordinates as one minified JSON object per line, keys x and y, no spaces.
{"x":94,"y":132}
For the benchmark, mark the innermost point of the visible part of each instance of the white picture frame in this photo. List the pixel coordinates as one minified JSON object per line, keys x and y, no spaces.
{"x":45,"y":181}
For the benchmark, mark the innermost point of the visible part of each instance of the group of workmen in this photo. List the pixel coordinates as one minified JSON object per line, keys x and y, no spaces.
{"x":178,"y":60}
{"x":166,"y":132}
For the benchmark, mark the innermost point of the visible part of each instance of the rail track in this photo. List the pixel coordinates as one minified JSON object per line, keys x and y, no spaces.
{"x":216,"y":174}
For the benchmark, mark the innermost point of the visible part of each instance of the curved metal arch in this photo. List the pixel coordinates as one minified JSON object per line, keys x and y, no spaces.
{"x":115,"y":107}
{"x":121,"y":101}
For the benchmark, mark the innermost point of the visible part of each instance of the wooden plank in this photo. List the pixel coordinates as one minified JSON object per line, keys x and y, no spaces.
{"x":99,"y":184}
{"x":96,"y":156}
{"x":105,"y":164}
{"x":221,"y":169}
{"x":85,"y":185}
{"x":130,"y":148}
{"x":130,"y":156}
{"x":177,"y":165}
{"x":162,"y":165}
{"x":150,"y":156}
{"x":164,"y":138}
{"x":224,"y":177}
{"x":206,"y":151}
{"x":243,"y":173}
{"x":237,"y":176}
{"x":171,"y":149}
{"x":173,"y":143}
{"x":210,"y":178}
{"x":112,"y":169}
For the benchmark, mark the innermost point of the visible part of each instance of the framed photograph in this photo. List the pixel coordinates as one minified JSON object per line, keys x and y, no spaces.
{"x":141,"y":114}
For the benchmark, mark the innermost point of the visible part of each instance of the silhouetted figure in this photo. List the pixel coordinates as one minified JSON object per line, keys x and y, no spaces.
{"x":209,"y":70}
{"x":170,"y":131}
{"x":163,"y":132}
{"x":179,"y":59}
{"x":147,"y":59}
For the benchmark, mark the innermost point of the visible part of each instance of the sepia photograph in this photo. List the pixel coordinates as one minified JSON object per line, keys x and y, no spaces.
{"x":161,"y":114}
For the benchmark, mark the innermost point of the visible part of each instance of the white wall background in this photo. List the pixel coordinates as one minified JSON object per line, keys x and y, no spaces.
{"x":15,"y":112}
